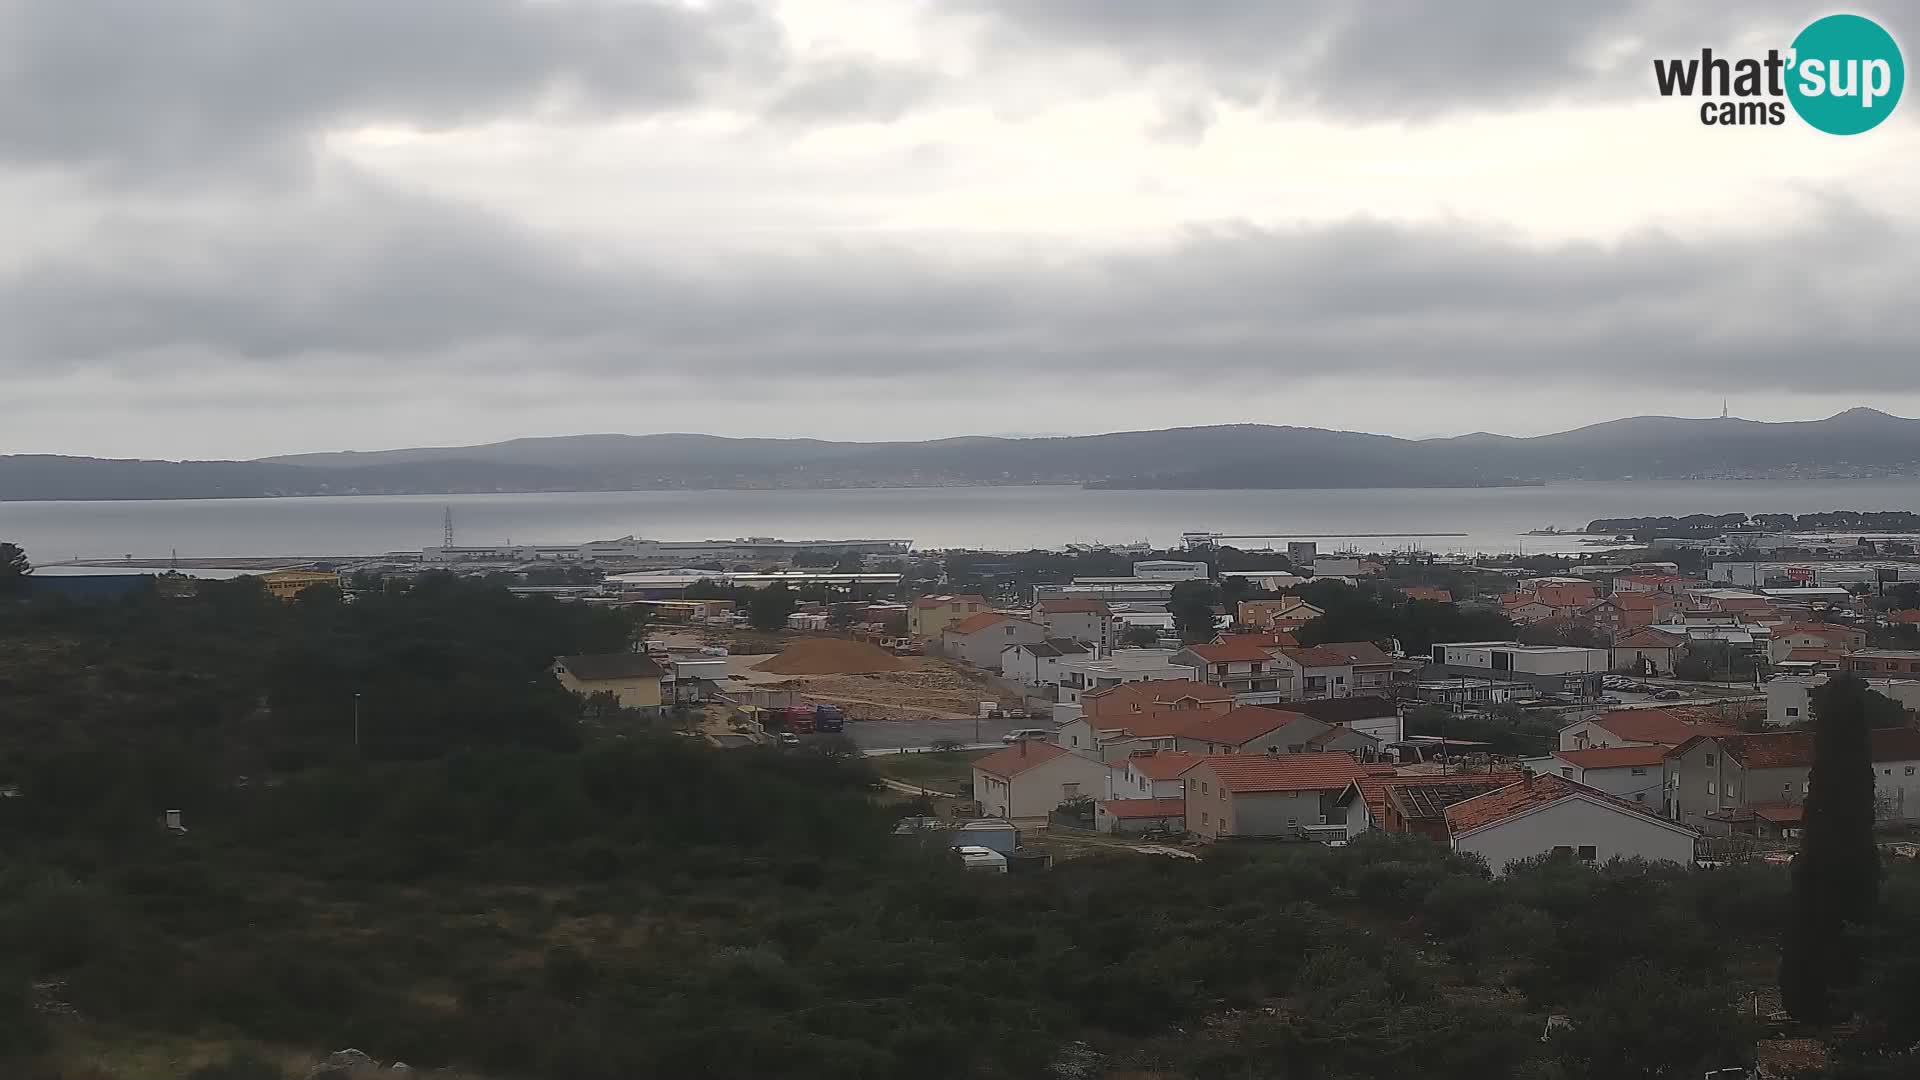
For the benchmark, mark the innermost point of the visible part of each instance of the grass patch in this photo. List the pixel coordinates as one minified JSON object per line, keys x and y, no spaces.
{"x":950,"y":772}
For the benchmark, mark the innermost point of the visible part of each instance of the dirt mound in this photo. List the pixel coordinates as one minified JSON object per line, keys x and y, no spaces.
{"x":830,"y":656}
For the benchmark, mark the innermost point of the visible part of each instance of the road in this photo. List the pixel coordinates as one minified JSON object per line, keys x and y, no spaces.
{"x":871,"y":735}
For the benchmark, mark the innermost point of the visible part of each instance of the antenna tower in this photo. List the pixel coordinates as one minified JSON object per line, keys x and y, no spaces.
{"x":446,"y":534}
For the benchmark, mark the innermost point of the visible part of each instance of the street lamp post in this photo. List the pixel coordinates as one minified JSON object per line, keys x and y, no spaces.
{"x":356,"y":722}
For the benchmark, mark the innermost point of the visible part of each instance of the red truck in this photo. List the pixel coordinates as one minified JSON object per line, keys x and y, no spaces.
{"x":808,"y":719}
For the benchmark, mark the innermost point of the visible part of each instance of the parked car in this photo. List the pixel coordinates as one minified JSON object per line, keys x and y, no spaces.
{"x":1610,"y":699}
{"x":788,"y":738}
{"x":1669,"y":695}
{"x":1026,"y":734}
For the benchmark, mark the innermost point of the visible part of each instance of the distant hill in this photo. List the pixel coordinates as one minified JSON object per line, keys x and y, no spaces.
{"x":1858,"y":442}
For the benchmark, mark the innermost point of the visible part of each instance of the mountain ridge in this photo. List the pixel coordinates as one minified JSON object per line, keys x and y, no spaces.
{"x":1857,"y":442}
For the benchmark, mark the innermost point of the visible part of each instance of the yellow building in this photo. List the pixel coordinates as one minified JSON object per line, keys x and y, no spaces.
{"x":287,"y":584}
{"x":633,"y":678}
{"x":930,"y":616}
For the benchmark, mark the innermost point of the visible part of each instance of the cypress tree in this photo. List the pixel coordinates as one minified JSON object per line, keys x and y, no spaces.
{"x":1836,"y":876}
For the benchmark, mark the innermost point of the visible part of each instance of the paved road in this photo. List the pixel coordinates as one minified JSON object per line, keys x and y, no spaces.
{"x":914,"y":734}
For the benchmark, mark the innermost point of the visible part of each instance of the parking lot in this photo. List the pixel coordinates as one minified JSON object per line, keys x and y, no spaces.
{"x":919,"y":734}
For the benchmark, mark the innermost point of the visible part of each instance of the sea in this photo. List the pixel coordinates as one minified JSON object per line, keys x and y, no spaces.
{"x":1483,"y":520}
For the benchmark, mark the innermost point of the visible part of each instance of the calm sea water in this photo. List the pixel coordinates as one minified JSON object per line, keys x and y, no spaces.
{"x":1016,"y":518}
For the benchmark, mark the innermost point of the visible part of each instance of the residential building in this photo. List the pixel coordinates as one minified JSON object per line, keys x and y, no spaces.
{"x":1038,"y":663}
{"x":1415,"y":804}
{"x":1426,"y":592}
{"x":632,"y":678}
{"x":1528,"y":610}
{"x":1790,"y":697}
{"x":1636,"y":727}
{"x":1241,"y":668}
{"x":1371,"y":668}
{"x":1552,"y":815}
{"x":1083,"y":675}
{"x":930,"y":616}
{"x":1089,"y":622}
{"x":287,"y":584}
{"x":1258,"y":795}
{"x":1709,"y":779}
{"x":1469,"y":693}
{"x":1647,"y":652}
{"x":1362,"y":746}
{"x":1563,"y":592}
{"x":1113,"y":739}
{"x":1029,"y":779}
{"x":1264,"y":614}
{"x":979,"y":639}
{"x":1150,"y":774}
{"x":1896,"y":774}
{"x":1623,"y":613}
{"x":1321,"y":671}
{"x":1552,"y":669}
{"x":1671,"y":584}
{"x":1378,"y":717}
{"x":1131,"y":817}
{"x":1634,"y":773}
{"x":1251,"y":729}
{"x":1885,"y":663}
{"x":1133,"y":698}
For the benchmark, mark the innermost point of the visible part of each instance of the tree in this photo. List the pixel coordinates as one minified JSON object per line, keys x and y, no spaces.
{"x":1192,"y":608}
{"x":768,"y":608}
{"x":14,"y":569}
{"x":1836,"y":876}
{"x":1140,"y":637}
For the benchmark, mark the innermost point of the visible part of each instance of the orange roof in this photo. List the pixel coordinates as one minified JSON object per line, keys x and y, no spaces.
{"x":1161,"y":764}
{"x":1248,"y":773}
{"x":1152,"y":724}
{"x":1771,"y":749}
{"x":1904,"y":615}
{"x":1019,"y":757}
{"x":1246,"y":722}
{"x":1780,"y":813}
{"x":1613,"y":757}
{"x":1232,"y":652}
{"x":1161,"y":690}
{"x":1814,"y":654}
{"x":1636,"y":601}
{"x":1069,"y":606}
{"x":1820,"y":629}
{"x":1376,"y":787}
{"x":1358,"y":652}
{"x":1321,"y":656}
{"x":973,"y":624}
{"x":1426,"y":592}
{"x":1145,"y":808}
{"x":1531,"y":793}
{"x":1656,"y":726}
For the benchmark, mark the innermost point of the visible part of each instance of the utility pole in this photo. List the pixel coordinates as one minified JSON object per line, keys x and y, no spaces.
{"x":356,"y":723}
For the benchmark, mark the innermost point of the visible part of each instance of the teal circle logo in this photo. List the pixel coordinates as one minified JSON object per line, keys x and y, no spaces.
{"x":1846,"y":74}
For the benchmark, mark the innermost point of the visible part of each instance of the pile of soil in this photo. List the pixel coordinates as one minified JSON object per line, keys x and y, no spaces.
{"x":830,"y":656}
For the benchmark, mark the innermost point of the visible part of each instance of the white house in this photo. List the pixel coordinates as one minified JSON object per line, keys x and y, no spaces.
{"x":1634,"y":773}
{"x":1317,"y":672}
{"x":1896,"y":773}
{"x":1150,"y":774}
{"x":1552,"y":815}
{"x":1082,"y":675}
{"x":1089,"y":622}
{"x":1038,"y":663}
{"x":978,"y":639}
{"x":1635,"y":727}
{"x":1029,"y":779}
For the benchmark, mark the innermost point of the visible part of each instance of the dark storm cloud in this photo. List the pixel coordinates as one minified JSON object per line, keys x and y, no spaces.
{"x":1386,"y":59}
{"x":416,"y":285}
{"x":135,"y":86}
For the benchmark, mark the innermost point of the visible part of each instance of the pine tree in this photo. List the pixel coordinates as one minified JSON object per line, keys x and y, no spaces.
{"x":14,"y":569}
{"x":1836,"y":876}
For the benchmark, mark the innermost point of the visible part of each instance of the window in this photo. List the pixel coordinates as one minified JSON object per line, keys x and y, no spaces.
{"x":1203,"y":788}
{"x":1562,"y":849}
{"x":1711,"y":790}
{"x":1223,"y":794}
{"x":1203,"y":817}
{"x":1909,"y":770}
{"x":1793,"y":710}
{"x":1070,"y":791}
{"x":1639,"y":796}
{"x":1638,"y":770}
{"x":1709,"y":759}
{"x":1786,"y":789}
{"x":1588,"y":853}
{"x":1567,"y":772}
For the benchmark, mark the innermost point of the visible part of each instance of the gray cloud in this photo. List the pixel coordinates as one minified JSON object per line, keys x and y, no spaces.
{"x":414,"y":283}
{"x":133,"y":86}
{"x":1388,"y":59}
{"x":854,"y":88}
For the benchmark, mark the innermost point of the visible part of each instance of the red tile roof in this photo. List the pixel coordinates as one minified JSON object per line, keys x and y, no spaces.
{"x":1163,"y":690}
{"x":1376,"y":787}
{"x":1070,"y":607}
{"x":1145,"y":808}
{"x":1896,"y":744}
{"x":1246,"y":722}
{"x":1904,"y":615}
{"x":1813,"y":654}
{"x":1614,"y":757}
{"x":1359,"y":652}
{"x":973,"y":624}
{"x":1162,"y":764}
{"x":1151,"y":724}
{"x":1771,"y":749}
{"x":1426,"y":592}
{"x":1819,"y":629}
{"x":1235,"y":651}
{"x":1320,"y":656}
{"x":1780,"y":813}
{"x":1531,"y":794}
{"x":1656,"y":726}
{"x":1249,"y":773}
{"x":1019,"y":757}
{"x":1638,"y":601}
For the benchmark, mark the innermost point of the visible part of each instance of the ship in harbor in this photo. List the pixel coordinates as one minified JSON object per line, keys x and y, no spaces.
{"x":630,"y":549}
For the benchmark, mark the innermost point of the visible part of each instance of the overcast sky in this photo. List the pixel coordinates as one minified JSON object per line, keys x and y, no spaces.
{"x":247,"y":227}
